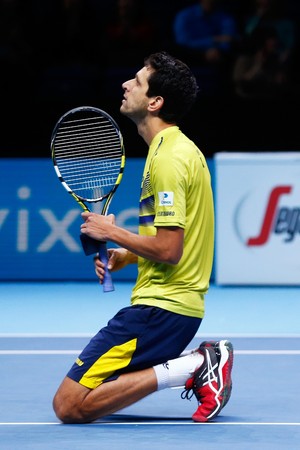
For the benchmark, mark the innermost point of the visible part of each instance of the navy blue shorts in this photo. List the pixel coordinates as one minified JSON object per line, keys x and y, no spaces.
{"x":137,"y":337}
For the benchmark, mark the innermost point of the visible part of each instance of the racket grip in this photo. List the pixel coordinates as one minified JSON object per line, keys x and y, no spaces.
{"x":107,"y":280}
{"x":92,"y":246}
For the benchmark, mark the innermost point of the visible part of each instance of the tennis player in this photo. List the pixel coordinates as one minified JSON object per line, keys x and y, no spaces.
{"x":141,"y":350}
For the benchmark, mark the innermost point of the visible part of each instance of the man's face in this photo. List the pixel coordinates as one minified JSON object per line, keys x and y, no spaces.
{"x":135,"y":101}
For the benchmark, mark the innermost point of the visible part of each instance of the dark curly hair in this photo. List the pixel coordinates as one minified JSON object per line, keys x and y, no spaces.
{"x":173,"y":80}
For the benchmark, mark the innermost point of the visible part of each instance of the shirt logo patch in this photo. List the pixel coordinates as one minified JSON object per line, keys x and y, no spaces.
{"x":166,"y":198}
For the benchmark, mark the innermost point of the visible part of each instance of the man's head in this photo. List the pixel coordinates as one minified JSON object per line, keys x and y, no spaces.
{"x":165,"y":86}
{"x":171,"y":79}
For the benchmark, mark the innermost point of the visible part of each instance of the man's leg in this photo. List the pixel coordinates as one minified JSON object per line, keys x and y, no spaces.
{"x":206,"y":371}
{"x":74,"y":403}
{"x":135,"y":337}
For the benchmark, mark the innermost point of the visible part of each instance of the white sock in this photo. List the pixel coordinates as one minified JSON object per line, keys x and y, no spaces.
{"x":175,"y":372}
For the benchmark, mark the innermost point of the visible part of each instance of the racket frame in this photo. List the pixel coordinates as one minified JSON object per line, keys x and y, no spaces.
{"x":91,"y":246}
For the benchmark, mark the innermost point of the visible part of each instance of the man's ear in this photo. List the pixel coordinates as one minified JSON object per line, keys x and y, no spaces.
{"x":155,"y":103}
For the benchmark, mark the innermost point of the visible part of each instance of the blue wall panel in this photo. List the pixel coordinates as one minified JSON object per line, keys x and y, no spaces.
{"x":40,"y":222}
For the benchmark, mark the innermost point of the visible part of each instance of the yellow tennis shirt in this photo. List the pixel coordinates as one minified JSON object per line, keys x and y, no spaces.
{"x":176,"y":191}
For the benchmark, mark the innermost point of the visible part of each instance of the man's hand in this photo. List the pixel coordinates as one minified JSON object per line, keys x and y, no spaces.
{"x":97,"y":226}
{"x":118,"y":258}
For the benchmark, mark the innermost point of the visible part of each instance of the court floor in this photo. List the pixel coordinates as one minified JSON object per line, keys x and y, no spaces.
{"x":43,"y":326}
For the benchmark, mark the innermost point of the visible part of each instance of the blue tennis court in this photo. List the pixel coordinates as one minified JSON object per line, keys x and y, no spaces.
{"x":45,"y":325}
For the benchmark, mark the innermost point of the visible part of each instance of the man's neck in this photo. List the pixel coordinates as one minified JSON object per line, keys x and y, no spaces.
{"x":148,"y":130}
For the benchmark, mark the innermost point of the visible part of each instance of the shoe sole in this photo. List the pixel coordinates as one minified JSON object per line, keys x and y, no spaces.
{"x":226,"y":351}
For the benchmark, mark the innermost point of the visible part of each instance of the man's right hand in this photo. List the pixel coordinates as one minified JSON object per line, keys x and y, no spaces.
{"x":117,"y":259}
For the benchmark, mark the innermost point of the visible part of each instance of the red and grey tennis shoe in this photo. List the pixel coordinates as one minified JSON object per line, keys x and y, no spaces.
{"x":211,"y":382}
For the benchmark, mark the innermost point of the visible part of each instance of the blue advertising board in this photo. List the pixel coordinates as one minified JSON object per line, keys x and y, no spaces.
{"x":40,"y":222}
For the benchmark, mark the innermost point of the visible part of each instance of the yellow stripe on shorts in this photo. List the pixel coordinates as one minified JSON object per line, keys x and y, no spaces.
{"x":116,"y":358}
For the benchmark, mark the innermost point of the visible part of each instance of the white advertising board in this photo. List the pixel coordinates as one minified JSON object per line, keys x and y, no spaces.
{"x":257,"y":218}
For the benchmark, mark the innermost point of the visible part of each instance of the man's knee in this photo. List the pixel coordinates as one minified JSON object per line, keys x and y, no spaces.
{"x":68,"y":411}
{"x":68,"y":402}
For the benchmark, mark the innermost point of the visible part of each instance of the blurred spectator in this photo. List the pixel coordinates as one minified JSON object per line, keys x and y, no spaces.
{"x":264,"y":65}
{"x":205,"y":32}
{"x":129,"y":34}
{"x":261,"y":73}
{"x":271,"y":14}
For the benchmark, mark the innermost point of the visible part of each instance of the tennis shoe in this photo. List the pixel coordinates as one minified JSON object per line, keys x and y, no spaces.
{"x":211,"y":382}
{"x":226,"y":365}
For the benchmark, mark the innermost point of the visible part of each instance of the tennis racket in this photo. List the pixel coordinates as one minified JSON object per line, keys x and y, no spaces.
{"x":89,"y":158}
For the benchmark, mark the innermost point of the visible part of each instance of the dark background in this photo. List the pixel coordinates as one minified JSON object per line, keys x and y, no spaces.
{"x":55,"y":56}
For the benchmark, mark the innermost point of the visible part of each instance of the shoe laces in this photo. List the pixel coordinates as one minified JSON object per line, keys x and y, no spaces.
{"x":187,"y":394}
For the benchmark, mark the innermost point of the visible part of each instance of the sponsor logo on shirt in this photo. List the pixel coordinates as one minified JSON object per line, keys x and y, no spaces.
{"x":166,"y":198}
{"x":166,"y":213}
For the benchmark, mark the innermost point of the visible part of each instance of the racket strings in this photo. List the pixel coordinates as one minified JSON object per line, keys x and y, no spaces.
{"x":88,"y":153}
{"x":78,"y":177}
{"x":99,"y":137}
{"x":102,"y":140}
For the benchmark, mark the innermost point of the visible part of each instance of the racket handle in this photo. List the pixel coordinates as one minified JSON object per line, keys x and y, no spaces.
{"x":90,"y":247}
{"x":107,"y":280}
